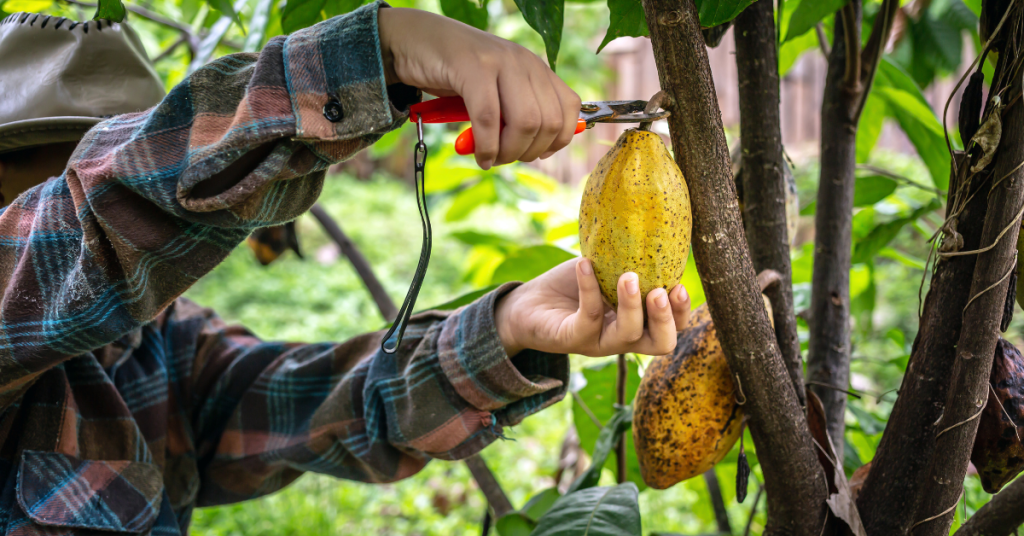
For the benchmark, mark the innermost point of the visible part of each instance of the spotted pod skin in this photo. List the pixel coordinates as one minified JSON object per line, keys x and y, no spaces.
{"x":635,"y":216}
{"x":686,"y":416}
{"x":998,"y":453}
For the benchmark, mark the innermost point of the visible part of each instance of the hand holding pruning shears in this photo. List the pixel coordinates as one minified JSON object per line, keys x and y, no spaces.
{"x":496,"y":78}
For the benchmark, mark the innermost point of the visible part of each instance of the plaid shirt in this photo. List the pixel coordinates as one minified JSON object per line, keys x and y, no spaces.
{"x":124,"y":406}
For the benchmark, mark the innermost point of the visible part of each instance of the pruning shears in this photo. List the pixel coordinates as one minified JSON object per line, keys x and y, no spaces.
{"x":453,"y":110}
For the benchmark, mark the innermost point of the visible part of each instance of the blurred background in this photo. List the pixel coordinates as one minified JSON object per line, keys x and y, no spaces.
{"x":516,"y":221}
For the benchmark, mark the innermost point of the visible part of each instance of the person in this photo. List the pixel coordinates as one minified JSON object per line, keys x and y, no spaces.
{"x":124,"y":406}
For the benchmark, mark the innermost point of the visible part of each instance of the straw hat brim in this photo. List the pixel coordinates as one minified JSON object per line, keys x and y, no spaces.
{"x":32,"y":132}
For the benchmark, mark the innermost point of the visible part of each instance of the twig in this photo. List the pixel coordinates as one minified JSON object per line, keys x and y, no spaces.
{"x":899,"y":178}
{"x":961,"y":423}
{"x":489,"y":486}
{"x":348,"y":248}
{"x":936,"y":516}
{"x":992,"y":286}
{"x":753,"y":509}
{"x":170,"y":49}
{"x":620,"y":399}
{"x":717,"y":502}
{"x":833,"y":387}
{"x":826,"y":50}
{"x":1014,"y":221}
{"x":586,"y":409}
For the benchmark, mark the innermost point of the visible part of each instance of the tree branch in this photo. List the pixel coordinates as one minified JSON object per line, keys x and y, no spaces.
{"x":826,"y":50}
{"x":620,"y":399}
{"x":717,"y":502}
{"x":795,"y":481}
{"x":872,"y":53}
{"x":849,"y":18}
{"x":1000,"y":517}
{"x":968,"y":390}
{"x":762,"y":170}
{"x":348,"y":248}
{"x":489,"y":486}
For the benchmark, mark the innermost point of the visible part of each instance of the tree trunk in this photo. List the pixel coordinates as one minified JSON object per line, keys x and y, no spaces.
{"x":764,"y":180}
{"x":969,"y":387}
{"x":828,"y":355}
{"x":794,"y":479}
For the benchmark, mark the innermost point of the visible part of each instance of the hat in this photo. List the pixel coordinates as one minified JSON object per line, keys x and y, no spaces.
{"x":59,"y":77}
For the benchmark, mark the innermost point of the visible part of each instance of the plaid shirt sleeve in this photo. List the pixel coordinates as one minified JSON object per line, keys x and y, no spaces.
{"x":92,"y":255}
{"x":266,"y":412}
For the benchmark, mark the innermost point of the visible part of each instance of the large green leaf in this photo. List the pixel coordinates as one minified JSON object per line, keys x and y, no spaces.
{"x":599,"y":396}
{"x":605,"y":511}
{"x":299,"y":14}
{"x":807,"y":13}
{"x":715,"y":12}
{"x":872,"y":118}
{"x":209,"y":43}
{"x":514,"y":524}
{"x":112,"y":10}
{"x":539,"y":504}
{"x":871,"y":189}
{"x":545,"y":16}
{"x":880,"y":236}
{"x":921,"y":125}
{"x":791,"y":50}
{"x":613,"y":429}
{"x":626,"y":19}
{"x":467,"y":11}
{"x":333,"y":8}
{"x":526,"y":263}
{"x":468,"y":200}
{"x":465,"y":299}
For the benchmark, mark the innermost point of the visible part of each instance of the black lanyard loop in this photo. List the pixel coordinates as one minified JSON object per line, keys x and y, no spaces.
{"x":393,"y":338}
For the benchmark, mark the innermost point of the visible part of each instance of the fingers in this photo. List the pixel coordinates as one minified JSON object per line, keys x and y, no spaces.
{"x":484,"y":109}
{"x":571,"y":103}
{"x":628,"y":327}
{"x":660,"y":338}
{"x":680,"y":301}
{"x":551,"y":116}
{"x":521,"y":114}
{"x":590,"y":317}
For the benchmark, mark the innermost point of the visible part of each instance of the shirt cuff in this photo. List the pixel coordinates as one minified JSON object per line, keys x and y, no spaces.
{"x":335,"y":77}
{"x":475,"y":362}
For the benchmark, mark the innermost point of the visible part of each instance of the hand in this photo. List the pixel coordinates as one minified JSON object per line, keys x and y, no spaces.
{"x":562,"y":312}
{"x":496,"y":78}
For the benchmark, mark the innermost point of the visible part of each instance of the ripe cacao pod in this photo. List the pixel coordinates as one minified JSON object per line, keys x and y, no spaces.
{"x":635,"y":216}
{"x":686,"y":416}
{"x":998,"y":453}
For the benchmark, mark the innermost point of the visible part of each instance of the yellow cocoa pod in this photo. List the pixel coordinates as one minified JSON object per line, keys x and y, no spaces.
{"x":635,"y":216}
{"x":685,"y":414}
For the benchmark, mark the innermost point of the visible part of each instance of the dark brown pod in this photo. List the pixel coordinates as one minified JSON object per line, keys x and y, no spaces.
{"x":998,"y":453}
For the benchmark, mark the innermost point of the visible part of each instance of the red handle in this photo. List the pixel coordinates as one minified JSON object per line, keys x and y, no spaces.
{"x":453,"y":110}
{"x":466,"y":144}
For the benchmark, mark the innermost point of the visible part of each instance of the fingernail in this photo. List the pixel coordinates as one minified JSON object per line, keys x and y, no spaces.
{"x":546,"y":155}
{"x":683,"y":295}
{"x":586,"y":267}
{"x":487,"y":164}
{"x":632,"y":284}
{"x":661,"y":300}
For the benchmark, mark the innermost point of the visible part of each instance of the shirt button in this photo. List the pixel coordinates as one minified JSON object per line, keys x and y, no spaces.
{"x":333,"y":111}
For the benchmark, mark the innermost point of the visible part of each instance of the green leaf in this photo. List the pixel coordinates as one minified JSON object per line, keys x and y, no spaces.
{"x":605,"y":511}
{"x":715,"y":12}
{"x":299,"y":14}
{"x":545,"y":16}
{"x":870,"y":127}
{"x":112,"y":10}
{"x":468,"y":200}
{"x":871,"y":189}
{"x":466,"y":11}
{"x":526,"y":263}
{"x":868,"y":422}
{"x":514,"y":524}
{"x":333,"y":8}
{"x":599,"y":397}
{"x":924,"y":130}
{"x":880,"y":236}
{"x":626,"y":20}
{"x":613,"y":429}
{"x":230,"y":11}
{"x":808,"y":13}
{"x":475,"y":238}
{"x":539,"y":504}
{"x":465,"y":299}
{"x":975,"y":6}
{"x":851,"y":458}
{"x":791,"y":50}
{"x":258,"y":25}
{"x":209,"y":43}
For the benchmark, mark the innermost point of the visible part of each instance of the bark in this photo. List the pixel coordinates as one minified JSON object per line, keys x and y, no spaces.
{"x":908,"y":443}
{"x":359,"y":262}
{"x":1000,"y":517}
{"x":828,"y":354}
{"x":968,"y":390}
{"x":717,"y":502}
{"x":620,"y":399}
{"x":764,"y":180}
{"x":794,"y":480}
